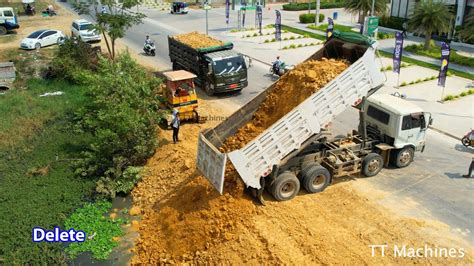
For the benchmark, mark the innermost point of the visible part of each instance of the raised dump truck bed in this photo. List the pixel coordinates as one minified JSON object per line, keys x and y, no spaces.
{"x":256,"y":159}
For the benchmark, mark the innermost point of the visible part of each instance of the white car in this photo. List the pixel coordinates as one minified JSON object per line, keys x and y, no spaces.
{"x":84,"y":30}
{"x":42,"y":38}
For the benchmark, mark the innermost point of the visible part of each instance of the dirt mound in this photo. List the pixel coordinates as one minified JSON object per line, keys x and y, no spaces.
{"x":197,"y":40}
{"x":291,"y":90}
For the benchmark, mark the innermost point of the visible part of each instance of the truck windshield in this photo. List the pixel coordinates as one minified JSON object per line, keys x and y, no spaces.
{"x":228,"y":65}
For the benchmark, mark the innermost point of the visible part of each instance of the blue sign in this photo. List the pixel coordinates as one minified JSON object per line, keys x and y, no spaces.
{"x":397,"y":52}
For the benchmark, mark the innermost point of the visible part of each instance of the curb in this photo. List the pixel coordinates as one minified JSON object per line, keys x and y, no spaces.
{"x":445,"y":133}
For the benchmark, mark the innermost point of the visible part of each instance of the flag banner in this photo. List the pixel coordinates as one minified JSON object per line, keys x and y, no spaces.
{"x":259,"y":18}
{"x":278,"y":26}
{"x":330,"y":29}
{"x":397,"y":52}
{"x":443,"y":71}
{"x":227,"y":12}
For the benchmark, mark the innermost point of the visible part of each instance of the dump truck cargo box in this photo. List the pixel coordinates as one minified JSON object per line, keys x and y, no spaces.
{"x":256,"y":159}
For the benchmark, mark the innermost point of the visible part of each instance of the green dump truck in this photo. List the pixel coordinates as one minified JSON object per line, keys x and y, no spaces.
{"x":219,"y":69}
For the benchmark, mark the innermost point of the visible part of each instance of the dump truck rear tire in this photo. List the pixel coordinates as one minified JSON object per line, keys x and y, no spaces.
{"x":285,"y":187}
{"x":315,"y":178}
{"x":3,"y":30}
{"x":208,"y":90}
{"x":403,"y":157}
{"x":372,"y":164}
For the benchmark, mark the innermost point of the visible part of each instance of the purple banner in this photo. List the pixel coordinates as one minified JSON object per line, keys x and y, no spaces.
{"x":443,"y":71}
{"x":397,"y":52}
{"x":278,"y":26}
{"x":227,"y":12}
{"x":330,"y":29}
{"x":259,"y":14}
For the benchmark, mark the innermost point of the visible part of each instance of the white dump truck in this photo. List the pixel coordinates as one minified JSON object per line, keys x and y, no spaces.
{"x":294,"y":152}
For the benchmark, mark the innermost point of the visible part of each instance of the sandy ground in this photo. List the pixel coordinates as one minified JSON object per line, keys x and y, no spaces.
{"x":185,"y":220}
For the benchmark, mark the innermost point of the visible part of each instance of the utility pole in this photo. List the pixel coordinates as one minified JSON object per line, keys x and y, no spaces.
{"x":316,"y":19}
{"x":373,"y":7}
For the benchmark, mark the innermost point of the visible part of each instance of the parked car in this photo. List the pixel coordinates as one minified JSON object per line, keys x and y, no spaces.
{"x":42,"y":38}
{"x":84,"y":30}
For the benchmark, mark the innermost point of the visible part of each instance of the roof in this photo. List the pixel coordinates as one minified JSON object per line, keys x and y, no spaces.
{"x":222,"y":54}
{"x":82,"y":21}
{"x":394,"y":104}
{"x":179,"y":75}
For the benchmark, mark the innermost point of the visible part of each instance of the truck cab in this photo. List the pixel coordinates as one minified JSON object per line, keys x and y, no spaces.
{"x":398,"y":123}
{"x":8,"y":20}
{"x":226,"y":71}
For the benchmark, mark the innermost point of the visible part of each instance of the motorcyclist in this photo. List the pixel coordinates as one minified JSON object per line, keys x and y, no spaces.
{"x":277,"y":65}
{"x":148,"y":44}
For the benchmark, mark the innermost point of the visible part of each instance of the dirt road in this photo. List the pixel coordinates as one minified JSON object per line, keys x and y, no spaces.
{"x":185,"y":220}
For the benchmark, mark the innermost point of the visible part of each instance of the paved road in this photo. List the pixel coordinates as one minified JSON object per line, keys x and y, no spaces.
{"x":433,"y":184}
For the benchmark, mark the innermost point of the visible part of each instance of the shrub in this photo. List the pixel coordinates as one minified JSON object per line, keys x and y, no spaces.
{"x":121,"y":118}
{"x":273,"y":40}
{"x":74,"y":60}
{"x":300,"y":45}
{"x":403,"y":84}
{"x":304,"y":6}
{"x":310,"y":18}
{"x":285,"y":39}
{"x":464,"y":93}
{"x":255,"y":34}
{"x":292,"y":46}
{"x":292,"y":37}
{"x":448,"y":98}
{"x":267,"y":41}
{"x":248,"y":36}
{"x":285,"y":47}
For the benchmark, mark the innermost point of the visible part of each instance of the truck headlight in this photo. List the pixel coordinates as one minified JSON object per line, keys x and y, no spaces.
{"x":220,"y":84}
{"x":245,"y":79}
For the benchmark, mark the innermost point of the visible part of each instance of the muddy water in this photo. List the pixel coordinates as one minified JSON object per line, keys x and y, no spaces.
{"x":121,"y":254}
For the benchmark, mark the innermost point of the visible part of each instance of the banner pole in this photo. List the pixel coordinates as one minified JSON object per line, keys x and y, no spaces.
{"x":442,"y":94}
{"x":398,"y":81}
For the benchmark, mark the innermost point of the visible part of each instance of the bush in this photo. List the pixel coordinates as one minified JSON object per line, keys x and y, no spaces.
{"x":255,"y":34}
{"x":292,"y":46}
{"x":383,"y":35}
{"x":300,"y":45}
{"x":73,"y":60}
{"x":267,"y":41}
{"x":310,"y":18}
{"x":292,"y":37}
{"x":121,"y":118}
{"x":391,"y":22}
{"x":304,"y":6}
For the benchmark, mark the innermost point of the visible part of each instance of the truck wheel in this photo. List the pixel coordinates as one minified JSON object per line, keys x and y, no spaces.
{"x":3,"y":30}
{"x":315,"y":178}
{"x":207,"y":89}
{"x":195,"y":117}
{"x":403,"y":157}
{"x":285,"y":186}
{"x":372,"y":164}
{"x":175,"y":66}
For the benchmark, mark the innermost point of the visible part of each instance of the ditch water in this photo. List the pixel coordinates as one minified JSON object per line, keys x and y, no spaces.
{"x":121,"y":254}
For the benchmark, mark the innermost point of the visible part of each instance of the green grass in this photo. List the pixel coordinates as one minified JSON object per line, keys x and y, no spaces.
{"x":91,"y":219}
{"x":428,"y":65}
{"x":303,"y":32}
{"x":324,"y":27}
{"x":435,"y":52}
{"x":35,"y":189}
{"x":462,"y":94}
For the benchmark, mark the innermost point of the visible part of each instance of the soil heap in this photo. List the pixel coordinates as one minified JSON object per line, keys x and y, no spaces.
{"x":291,"y":90}
{"x":197,"y":40}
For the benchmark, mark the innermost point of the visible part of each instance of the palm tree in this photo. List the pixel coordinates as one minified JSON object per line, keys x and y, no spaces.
{"x":467,"y":33}
{"x":429,"y":17}
{"x":363,"y":7}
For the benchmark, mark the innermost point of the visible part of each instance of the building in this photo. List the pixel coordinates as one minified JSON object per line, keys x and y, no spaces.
{"x":404,"y":8}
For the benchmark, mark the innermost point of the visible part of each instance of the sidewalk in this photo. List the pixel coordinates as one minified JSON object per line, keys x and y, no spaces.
{"x":387,"y":45}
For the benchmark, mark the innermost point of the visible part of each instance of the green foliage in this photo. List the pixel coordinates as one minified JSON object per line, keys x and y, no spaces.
{"x":384,"y":35}
{"x":91,"y":220}
{"x":74,"y":60}
{"x":435,"y":52}
{"x":448,"y":98}
{"x":255,"y":34}
{"x":267,"y":41}
{"x":391,"y":22}
{"x":428,"y":65}
{"x":125,"y":184}
{"x":429,"y":17}
{"x":273,"y":40}
{"x":304,"y":6}
{"x":248,"y":35}
{"x":462,"y":94}
{"x":323,"y":27}
{"x":121,"y":115}
{"x":310,"y":18}
{"x":285,"y":47}
{"x":303,"y":32}
{"x":363,"y":7}
{"x":292,"y":46}
{"x":467,"y":33}
{"x":292,"y":38}
{"x":115,"y":23}
{"x":403,"y":84}
{"x":300,"y":45}
{"x":39,"y":130}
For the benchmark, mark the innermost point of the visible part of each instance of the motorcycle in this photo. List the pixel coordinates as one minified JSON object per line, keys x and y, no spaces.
{"x":149,"y":48}
{"x":468,"y":139}
{"x":282,"y":69}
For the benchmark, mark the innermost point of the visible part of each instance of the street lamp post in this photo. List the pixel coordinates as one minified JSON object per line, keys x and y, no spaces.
{"x":373,"y":7}
{"x":316,"y":19}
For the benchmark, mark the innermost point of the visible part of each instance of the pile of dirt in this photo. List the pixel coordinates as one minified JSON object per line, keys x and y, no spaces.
{"x":291,"y":90}
{"x":197,"y":40}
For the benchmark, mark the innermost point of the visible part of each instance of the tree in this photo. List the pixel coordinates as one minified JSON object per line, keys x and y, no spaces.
{"x":363,"y":7}
{"x":429,"y":17}
{"x":467,"y":33}
{"x":115,"y":21}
